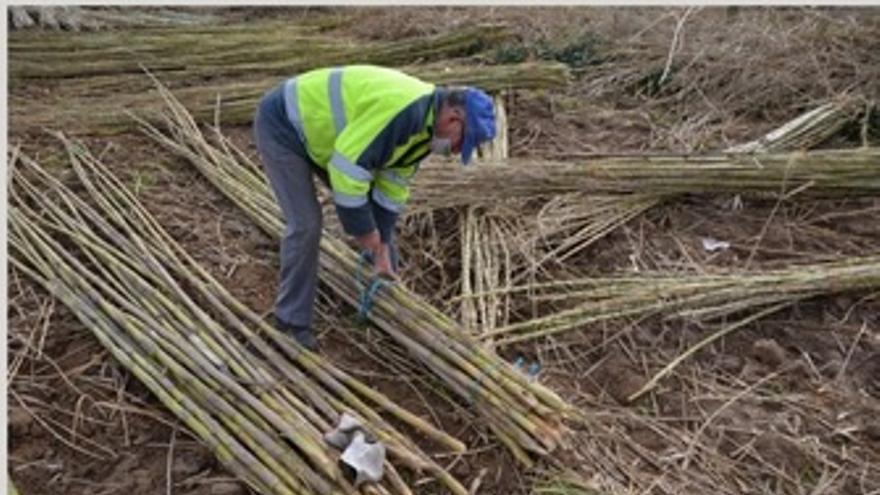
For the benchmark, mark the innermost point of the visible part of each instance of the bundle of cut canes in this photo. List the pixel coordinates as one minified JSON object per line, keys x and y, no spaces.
{"x":257,"y":399}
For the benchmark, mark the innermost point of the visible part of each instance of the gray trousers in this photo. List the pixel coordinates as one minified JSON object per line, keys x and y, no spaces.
{"x":292,"y":180}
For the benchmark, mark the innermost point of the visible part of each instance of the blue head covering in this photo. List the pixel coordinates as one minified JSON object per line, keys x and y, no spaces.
{"x":479,"y":124}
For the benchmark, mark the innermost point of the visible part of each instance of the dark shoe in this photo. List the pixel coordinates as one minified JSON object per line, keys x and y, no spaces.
{"x":302,"y":334}
{"x":306,"y":338}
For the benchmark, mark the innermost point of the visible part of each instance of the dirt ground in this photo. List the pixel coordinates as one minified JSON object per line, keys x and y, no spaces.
{"x":789,"y":404}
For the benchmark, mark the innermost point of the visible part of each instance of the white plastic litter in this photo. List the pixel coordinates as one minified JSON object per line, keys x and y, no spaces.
{"x":363,"y":457}
{"x":713,"y":245}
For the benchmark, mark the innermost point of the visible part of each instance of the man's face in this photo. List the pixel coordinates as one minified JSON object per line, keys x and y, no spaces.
{"x":450,"y":125}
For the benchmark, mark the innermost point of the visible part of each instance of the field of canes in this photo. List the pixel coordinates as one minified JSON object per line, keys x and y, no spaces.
{"x":664,"y":278}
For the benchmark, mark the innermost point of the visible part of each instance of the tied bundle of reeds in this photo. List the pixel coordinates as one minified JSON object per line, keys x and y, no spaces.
{"x":526,"y":416}
{"x":85,"y":18}
{"x":259,"y":401}
{"x":252,"y":49}
{"x":93,"y":106}
{"x":806,"y":130}
{"x":696,"y":296}
{"x":821,"y":173}
{"x":237,"y":99}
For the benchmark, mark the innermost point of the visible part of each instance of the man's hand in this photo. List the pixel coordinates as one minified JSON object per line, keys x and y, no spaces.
{"x":380,"y":253}
{"x":383,"y":263}
{"x":369,"y":242}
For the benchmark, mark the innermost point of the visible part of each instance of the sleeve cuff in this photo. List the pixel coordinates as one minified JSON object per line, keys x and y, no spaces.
{"x":356,"y":221}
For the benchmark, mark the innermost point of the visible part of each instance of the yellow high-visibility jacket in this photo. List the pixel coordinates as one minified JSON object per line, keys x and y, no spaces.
{"x":368,"y":127}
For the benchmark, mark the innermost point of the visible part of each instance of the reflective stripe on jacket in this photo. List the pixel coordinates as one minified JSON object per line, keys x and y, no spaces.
{"x":368,"y":127}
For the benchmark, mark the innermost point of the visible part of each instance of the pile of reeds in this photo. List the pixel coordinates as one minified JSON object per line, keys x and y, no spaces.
{"x":600,"y":214}
{"x":821,"y":173}
{"x":257,"y":399}
{"x":526,"y":416}
{"x":530,"y":234}
{"x":499,"y":246}
{"x":86,"y":19}
{"x":569,"y":222}
{"x":487,"y":262}
{"x":708,"y":297}
{"x":806,"y":130}
{"x":90,"y":108}
{"x":253,"y":49}
{"x":237,"y":101}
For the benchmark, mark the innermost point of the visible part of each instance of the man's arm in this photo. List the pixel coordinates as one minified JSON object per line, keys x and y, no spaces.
{"x":350,"y":185}
{"x":358,"y":182}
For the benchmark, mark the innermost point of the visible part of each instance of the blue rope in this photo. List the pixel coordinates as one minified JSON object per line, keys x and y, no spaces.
{"x":533,"y":369}
{"x":367,"y":297}
{"x":365,"y":258}
{"x":368,"y":290}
